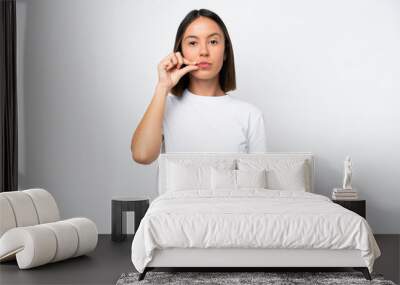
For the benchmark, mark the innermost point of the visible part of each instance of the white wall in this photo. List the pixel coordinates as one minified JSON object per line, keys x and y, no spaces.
{"x":326,"y":75}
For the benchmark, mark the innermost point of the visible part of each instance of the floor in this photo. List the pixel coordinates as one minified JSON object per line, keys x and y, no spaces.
{"x":111,"y":259}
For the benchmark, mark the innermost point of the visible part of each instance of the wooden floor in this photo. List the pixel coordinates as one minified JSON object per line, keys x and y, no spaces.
{"x":111,"y":259}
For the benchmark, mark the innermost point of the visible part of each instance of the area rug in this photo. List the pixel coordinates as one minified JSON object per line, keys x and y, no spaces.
{"x":269,"y":278}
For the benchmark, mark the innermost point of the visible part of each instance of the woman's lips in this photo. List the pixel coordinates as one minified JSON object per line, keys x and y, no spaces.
{"x":203,"y":65}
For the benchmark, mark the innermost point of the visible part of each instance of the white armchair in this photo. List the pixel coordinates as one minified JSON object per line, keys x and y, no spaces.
{"x":32,"y":233}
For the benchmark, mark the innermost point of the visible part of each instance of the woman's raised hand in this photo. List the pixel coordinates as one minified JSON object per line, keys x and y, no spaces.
{"x":170,"y":71}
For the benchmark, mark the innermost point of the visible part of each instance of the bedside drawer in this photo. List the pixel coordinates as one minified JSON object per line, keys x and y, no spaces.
{"x":357,"y":206}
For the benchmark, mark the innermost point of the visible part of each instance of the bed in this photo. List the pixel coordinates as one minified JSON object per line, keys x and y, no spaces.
{"x":242,"y":210}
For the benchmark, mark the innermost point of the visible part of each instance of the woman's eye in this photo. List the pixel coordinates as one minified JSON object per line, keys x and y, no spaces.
{"x":214,"y":42}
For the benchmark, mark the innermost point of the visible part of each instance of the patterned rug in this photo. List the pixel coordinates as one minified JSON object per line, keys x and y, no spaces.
{"x":270,"y":278}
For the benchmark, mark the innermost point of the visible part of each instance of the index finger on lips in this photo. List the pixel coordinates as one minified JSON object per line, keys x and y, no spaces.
{"x":174,"y":60}
{"x":180,"y":59}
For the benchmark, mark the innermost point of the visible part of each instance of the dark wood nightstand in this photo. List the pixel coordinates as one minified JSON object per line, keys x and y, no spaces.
{"x":357,"y":206}
{"x":119,"y":207}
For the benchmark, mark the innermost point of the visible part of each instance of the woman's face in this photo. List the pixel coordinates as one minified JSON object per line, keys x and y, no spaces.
{"x":203,"y":41}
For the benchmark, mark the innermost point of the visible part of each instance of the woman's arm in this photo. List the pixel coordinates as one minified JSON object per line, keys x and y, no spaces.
{"x":147,"y":139}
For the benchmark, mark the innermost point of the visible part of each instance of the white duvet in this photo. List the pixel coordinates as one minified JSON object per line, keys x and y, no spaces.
{"x":250,"y":218}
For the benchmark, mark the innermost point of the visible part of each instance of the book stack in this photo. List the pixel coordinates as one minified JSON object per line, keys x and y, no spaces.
{"x":344,"y":194}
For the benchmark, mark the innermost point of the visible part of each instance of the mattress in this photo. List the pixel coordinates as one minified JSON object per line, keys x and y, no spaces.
{"x":250,"y":218}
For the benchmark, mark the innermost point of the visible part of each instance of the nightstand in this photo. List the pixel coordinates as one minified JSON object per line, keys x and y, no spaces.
{"x":357,"y":206}
{"x":119,"y":207}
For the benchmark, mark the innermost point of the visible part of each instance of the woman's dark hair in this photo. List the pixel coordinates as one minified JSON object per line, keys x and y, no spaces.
{"x":227,"y":77}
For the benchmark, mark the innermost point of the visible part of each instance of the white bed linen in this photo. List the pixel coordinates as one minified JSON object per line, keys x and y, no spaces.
{"x":250,"y":218}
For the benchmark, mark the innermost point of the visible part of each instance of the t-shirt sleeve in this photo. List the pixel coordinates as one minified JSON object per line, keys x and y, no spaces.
{"x":257,"y":138}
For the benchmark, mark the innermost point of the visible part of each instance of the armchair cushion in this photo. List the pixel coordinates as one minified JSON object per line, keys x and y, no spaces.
{"x":46,"y":243}
{"x":31,"y":231}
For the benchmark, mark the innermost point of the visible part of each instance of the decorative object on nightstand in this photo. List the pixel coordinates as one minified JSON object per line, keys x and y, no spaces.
{"x":357,"y":206}
{"x":346,"y":192}
{"x":347,"y":173}
{"x":119,"y":207}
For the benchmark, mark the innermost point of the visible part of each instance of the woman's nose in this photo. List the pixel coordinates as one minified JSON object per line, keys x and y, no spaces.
{"x":204,"y":50}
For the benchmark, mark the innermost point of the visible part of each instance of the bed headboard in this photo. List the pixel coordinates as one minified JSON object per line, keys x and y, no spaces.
{"x":306,"y":156}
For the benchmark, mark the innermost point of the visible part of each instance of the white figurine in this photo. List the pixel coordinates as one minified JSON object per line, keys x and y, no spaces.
{"x":347,"y":174}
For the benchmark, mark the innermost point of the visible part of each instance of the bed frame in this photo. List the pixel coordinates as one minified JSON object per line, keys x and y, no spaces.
{"x":246,"y":259}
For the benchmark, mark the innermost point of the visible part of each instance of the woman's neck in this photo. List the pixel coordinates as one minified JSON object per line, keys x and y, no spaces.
{"x":205,"y":87}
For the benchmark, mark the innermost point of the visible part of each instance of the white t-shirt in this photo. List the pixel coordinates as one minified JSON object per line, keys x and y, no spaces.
{"x":196,"y":123}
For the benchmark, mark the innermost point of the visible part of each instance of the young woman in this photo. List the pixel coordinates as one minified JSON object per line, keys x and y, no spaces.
{"x":200,"y":116}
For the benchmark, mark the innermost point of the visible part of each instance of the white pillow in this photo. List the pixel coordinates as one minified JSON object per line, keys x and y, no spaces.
{"x":237,"y":179}
{"x":189,"y":174}
{"x":223,"y":179}
{"x":251,"y":178}
{"x":282,"y":174}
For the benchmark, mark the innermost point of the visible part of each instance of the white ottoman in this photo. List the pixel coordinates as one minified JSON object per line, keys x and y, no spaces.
{"x":31,"y":232}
